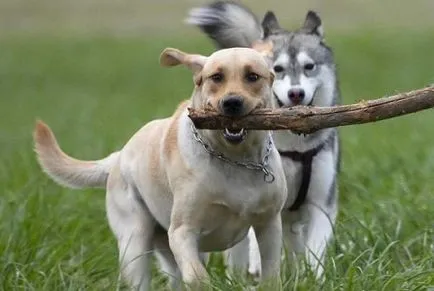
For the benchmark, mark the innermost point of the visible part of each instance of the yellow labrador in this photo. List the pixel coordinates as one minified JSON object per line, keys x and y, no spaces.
{"x":181,"y":191}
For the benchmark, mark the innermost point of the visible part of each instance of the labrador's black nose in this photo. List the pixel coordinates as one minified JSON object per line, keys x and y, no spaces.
{"x":232,"y":105}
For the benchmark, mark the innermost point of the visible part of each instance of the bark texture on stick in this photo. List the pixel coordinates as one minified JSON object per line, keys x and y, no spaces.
{"x":304,"y":119}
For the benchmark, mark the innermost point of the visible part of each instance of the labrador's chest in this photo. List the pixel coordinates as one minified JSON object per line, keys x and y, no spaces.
{"x":244,"y":191}
{"x":234,"y":203}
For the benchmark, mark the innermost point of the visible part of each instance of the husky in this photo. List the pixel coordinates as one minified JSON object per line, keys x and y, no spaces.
{"x":305,"y":75}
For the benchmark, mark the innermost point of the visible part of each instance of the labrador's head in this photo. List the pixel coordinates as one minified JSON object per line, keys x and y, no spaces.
{"x":232,"y":81}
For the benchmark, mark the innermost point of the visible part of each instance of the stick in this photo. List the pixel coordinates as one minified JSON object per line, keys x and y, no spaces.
{"x":304,"y":119}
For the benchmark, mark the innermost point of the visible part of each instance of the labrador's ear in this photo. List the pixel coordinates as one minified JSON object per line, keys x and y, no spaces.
{"x":172,"y":57}
{"x":272,"y":77}
{"x":264,"y":47}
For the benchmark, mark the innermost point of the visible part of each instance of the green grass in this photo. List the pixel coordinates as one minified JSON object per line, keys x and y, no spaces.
{"x":96,"y":92}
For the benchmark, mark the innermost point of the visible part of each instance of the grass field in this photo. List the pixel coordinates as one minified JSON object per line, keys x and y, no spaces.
{"x":96,"y":92}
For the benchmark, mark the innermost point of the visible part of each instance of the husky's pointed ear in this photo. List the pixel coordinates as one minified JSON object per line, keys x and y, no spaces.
{"x":269,"y":24}
{"x":172,"y":57}
{"x":312,"y":24}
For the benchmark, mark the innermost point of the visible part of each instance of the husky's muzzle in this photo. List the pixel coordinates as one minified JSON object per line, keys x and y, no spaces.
{"x":233,"y":106}
{"x":296,"y":96}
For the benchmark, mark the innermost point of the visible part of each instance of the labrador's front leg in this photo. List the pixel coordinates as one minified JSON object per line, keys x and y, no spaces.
{"x":183,"y":243}
{"x":269,"y":238}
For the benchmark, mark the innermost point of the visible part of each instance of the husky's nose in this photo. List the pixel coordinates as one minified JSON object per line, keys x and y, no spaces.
{"x":232,"y":105}
{"x":296,"y":95}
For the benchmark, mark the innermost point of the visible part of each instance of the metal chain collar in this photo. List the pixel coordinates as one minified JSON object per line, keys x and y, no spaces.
{"x":262,"y":166}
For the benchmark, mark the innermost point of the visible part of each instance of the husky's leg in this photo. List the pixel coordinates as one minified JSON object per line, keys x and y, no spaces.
{"x":237,"y":257}
{"x":321,"y":210}
{"x":133,"y":226}
{"x":319,"y":232}
{"x":293,"y":236}
{"x":245,"y":257}
{"x":254,"y":255}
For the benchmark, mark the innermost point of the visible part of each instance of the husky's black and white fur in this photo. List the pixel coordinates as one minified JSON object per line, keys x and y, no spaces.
{"x":305,"y":75}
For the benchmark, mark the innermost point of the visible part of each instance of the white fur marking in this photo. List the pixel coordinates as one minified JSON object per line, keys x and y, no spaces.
{"x":309,"y":86}
{"x":281,"y":89}
{"x":282,"y":60}
{"x":303,"y":58}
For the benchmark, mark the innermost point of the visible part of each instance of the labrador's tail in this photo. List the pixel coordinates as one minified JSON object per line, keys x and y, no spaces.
{"x":64,"y":169}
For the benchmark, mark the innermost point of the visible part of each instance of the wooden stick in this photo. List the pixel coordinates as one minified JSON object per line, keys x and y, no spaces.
{"x":304,"y":119}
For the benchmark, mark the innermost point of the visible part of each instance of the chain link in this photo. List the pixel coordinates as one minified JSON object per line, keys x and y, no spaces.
{"x":262,"y":166}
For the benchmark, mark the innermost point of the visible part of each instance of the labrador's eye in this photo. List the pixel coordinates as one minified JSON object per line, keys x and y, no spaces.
{"x":217,"y":77}
{"x":309,"y":67}
{"x":252,"y":77}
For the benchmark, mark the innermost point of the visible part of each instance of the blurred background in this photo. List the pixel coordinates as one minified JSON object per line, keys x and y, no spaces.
{"x":89,"y":68}
{"x":146,"y":17}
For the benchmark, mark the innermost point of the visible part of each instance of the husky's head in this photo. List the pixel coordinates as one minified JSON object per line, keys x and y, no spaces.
{"x":303,"y":64}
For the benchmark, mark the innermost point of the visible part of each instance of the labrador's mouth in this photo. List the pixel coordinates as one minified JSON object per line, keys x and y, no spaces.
{"x":234,"y":136}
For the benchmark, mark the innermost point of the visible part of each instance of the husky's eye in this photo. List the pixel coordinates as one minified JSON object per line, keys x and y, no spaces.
{"x":217,"y":77}
{"x":309,"y":67}
{"x":278,"y":69}
{"x":252,"y":77}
